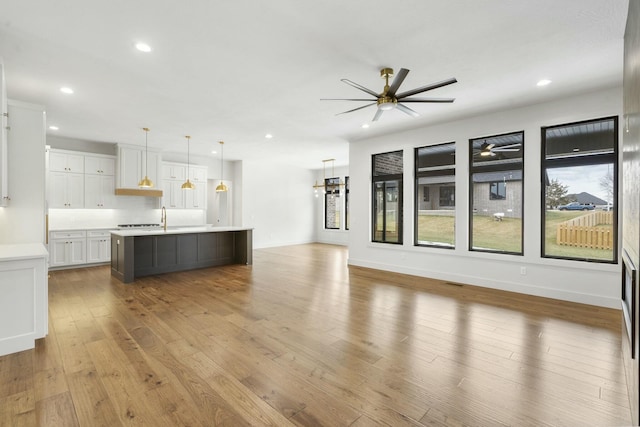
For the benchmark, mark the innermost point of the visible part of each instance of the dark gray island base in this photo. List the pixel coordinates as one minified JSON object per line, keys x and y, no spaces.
{"x":147,"y":252}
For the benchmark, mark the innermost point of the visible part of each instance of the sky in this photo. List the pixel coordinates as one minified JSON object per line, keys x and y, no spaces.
{"x":582,"y":178}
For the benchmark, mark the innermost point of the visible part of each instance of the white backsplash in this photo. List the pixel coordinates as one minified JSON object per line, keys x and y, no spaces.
{"x":131,"y":210}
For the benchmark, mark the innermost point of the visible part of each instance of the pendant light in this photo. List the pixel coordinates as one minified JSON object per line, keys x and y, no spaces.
{"x":221,"y":187}
{"x":187,"y":184}
{"x":146,"y":182}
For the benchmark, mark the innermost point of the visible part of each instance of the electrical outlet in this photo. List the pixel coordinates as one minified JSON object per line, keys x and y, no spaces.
{"x":523,"y":271}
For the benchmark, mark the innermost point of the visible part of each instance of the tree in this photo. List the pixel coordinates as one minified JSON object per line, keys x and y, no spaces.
{"x":556,"y":194}
{"x":606,"y":184}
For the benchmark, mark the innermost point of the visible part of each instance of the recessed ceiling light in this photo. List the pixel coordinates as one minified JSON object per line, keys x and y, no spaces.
{"x":54,"y":127}
{"x":365,"y":126}
{"x":543,"y":82}
{"x":213,"y":151}
{"x":143,"y":47}
{"x":268,"y":136}
{"x":66,"y":90}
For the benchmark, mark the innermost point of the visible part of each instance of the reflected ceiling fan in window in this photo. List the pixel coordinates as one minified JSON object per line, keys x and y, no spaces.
{"x":389,"y":99}
{"x":490,"y":150}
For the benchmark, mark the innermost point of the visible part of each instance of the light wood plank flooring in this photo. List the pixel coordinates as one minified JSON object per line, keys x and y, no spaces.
{"x":300,"y":339}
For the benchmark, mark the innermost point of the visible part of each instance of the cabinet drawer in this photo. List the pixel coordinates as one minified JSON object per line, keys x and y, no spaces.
{"x":68,"y":234}
{"x":98,"y":233}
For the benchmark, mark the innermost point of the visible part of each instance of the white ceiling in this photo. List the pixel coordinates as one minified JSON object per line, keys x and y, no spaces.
{"x":237,"y":70}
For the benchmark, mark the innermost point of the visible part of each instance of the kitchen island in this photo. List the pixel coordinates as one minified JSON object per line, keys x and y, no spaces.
{"x":137,"y":253}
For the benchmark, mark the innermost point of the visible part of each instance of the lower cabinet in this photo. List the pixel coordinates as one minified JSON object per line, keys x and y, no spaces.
{"x":98,"y":246}
{"x":24,"y":290}
{"x":77,"y":247}
{"x":67,"y":248}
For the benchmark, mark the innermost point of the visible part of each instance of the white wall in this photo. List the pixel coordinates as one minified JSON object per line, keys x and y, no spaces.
{"x":334,"y":237}
{"x":590,"y":283}
{"x":278,"y":203}
{"x":22,"y":221}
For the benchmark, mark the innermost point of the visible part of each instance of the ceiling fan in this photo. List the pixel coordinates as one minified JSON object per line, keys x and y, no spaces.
{"x":490,"y":150}
{"x":389,"y":99}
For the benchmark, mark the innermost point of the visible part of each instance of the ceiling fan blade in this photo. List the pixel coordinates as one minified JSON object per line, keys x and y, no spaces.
{"x":347,"y":99}
{"x":377,"y":115}
{"x":426,"y":88}
{"x":510,"y":146}
{"x":428,"y":100}
{"x":356,"y":109}
{"x":397,"y":81}
{"x":362,"y":88}
{"x":501,"y":150}
{"x":407,"y":110}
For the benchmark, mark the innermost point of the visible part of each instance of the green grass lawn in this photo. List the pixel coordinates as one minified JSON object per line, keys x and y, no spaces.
{"x":553,"y":218}
{"x":436,"y":229}
{"x":505,"y":235}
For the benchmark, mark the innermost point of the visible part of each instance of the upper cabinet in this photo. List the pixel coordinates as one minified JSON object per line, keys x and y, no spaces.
{"x":79,"y":180}
{"x":99,"y":165}
{"x":174,"y":175}
{"x":4,"y":112}
{"x":61,"y":161}
{"x":134,"y":163}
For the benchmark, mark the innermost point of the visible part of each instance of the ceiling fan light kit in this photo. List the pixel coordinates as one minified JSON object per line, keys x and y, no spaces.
{"x":389,"y":99}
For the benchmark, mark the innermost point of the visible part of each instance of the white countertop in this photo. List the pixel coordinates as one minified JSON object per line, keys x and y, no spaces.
{"x":82,"y":228}
{"x":177,"y":230}
{"x":23,"y":251}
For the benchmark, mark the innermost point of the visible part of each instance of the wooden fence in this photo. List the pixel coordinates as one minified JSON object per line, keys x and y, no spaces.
{"x":587,"y":231}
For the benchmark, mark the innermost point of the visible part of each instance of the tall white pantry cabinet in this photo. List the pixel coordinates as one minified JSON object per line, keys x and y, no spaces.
{"x":23,"y":256}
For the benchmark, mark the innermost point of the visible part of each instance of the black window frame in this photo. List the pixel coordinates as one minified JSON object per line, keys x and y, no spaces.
{"x":596,"y":159}
{"x":496,"y":168}
{"x":346,"y":202}
{"x":450,"y":169}
{"x":331,"y":189}
{"x":384,"y":179}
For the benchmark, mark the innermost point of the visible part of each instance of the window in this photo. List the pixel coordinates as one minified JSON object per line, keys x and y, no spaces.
{"x":332,"y":203}
{"x":498,"y":190}
{"x":387,"y":197}
{"x":346,"y":203}
{"x":435,"y":195}
{"x":448,"y":196}
{"x":497,"y":170}
{"x":579,"y":175}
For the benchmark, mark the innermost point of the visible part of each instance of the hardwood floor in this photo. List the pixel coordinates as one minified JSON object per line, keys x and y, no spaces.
{"x":300,"y":339}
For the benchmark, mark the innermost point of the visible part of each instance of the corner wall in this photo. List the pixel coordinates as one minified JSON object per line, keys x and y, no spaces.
{"x":278,"y":203}
{"x":590,"y":283}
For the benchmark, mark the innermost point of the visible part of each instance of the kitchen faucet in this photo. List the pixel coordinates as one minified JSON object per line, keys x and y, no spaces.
{"x":163,"y":217}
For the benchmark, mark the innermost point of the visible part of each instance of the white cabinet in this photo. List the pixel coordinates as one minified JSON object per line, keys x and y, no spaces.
{"x":98,"y":246}
{"x":62,"y":161}
{"x":24,"y":302}
{"x":174,"y":175}
{"x":173,"y":196}
{"x":174,"y":171}
{"x":67,"y":248}
{"x":99,"y":191}
{"x":196,"y":198}
{"x":66,"y":190}
{"x":4,"y":112}
{"x":198,"y":175}
{"x":134,"y":164}
{"x":99,"y":165}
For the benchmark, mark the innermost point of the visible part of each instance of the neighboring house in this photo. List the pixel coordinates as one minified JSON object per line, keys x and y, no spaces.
{"x":493,"y":194}
{"x":587,"y":199}
{"x":437,"y":193}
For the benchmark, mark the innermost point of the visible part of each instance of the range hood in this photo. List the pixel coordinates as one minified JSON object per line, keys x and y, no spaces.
{"x":138,"y":192}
